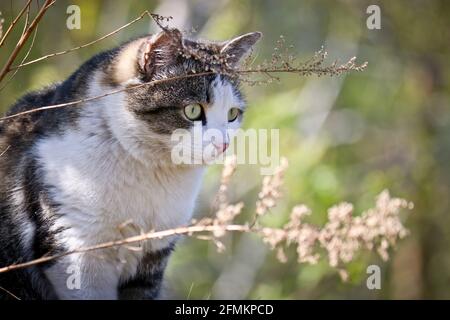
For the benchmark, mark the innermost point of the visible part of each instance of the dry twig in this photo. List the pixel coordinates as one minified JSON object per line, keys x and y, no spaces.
{"x":81,"y":101}
{"x":341,"y":238}
{"x":26,"y":8}
{"x":55,"y":54}
{"x":24,"y":38}
{"x":282,"y":61}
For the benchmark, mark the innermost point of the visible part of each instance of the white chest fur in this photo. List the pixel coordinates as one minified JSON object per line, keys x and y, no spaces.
{"x":99,"y":187}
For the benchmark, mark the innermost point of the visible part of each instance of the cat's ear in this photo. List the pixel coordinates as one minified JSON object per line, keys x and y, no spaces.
{"x":239,"y":47}
{"x":159,"y":50}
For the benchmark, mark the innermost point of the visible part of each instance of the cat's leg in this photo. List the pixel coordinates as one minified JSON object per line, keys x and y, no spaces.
{"x":146,"y":283}
{"x":89,"y":276}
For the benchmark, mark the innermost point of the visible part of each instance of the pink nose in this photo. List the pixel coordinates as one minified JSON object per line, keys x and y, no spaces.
{"x":221,"y":147}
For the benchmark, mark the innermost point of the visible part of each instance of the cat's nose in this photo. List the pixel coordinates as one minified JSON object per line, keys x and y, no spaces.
{"x":221,"y":147}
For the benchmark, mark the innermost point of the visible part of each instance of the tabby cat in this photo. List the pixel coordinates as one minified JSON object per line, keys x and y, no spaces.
{"x":102,"y":169}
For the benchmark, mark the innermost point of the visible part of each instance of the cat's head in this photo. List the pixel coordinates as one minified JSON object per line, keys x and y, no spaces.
{"x":150,"y":115}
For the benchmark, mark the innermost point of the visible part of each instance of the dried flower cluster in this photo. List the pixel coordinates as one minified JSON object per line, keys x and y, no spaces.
{"x":270,"y":191}
{"x":159,"y":20}
{"x":341,"y":238}
{"x":344,"y":235}
{"x":225,"y":212}
{"x":227,"y":173}
{"x":211,"y":60}
{"x":282,"y":60}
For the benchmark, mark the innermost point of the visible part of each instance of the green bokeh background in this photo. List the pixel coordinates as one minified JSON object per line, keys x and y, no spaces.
{"x":346,"y":138}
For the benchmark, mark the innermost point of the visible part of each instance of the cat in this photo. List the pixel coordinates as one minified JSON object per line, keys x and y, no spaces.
{"x":101,"y":170}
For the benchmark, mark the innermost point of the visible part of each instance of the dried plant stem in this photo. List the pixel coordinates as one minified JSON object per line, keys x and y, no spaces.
{"x":341,"y":238}
{"x":244,"y":71}
{"x":10,"y":293}
{"x":27,"y":20}
{"x":80,"y":101}
{"x":281,"y":63}
{"x":24,"y":38}
{"x":26,"y":8}
{"x":4,"y":151}
{"x":291,"y":70}
{"x":145,"y":13}
{"x":24,"y":58}
{"x":189,"y":230}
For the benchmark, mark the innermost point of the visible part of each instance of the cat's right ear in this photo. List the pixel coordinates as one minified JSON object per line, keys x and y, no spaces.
{"x":159,"y":50}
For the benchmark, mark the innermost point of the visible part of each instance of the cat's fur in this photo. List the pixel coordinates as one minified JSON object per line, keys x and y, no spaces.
{"x":81,"y":175}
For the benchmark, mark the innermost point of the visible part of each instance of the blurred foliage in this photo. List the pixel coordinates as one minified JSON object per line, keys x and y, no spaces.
{"x":346,"y":138}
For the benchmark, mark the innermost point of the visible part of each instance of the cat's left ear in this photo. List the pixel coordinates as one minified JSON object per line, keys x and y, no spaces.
{"x":239,"y":47}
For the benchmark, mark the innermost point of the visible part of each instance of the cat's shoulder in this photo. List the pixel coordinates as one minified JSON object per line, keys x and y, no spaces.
{"x":52,"y":117}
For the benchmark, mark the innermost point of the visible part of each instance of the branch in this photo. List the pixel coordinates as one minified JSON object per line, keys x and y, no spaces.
{"x":4,"y":151}
{"x":145,"y":13}
{"x":72,"y":103}
{"x":10,"y":293}
{"x":24,"y":58}
{"x":342,"y":237}
{"x":189,"y":230}
{"x":281,"y":62}
{"x":24,"y":38}
{"x":14,"y":22}
{"x":333,"y":70}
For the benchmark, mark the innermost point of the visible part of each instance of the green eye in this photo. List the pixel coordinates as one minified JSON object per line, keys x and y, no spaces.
{"x":233,"y":113}
{"x":193,"y":111}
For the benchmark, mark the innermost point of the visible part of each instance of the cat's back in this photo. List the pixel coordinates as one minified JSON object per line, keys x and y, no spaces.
{"x":21,"y":127}
{"x":20,"y":131}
